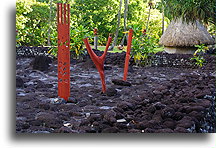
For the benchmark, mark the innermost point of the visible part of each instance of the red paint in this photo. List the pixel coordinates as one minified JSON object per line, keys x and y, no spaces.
{"x":95,"y":31}
{"x":99,"y":61}
{"x":63,"y":22}
{"x":127,"y":58}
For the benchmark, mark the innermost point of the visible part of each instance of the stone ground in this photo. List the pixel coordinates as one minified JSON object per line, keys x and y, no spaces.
{"x":161,"y":98}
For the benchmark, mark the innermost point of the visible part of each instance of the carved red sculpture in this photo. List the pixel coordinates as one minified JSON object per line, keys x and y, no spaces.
{"x":99,"y":61}
{"x":63,"y":21}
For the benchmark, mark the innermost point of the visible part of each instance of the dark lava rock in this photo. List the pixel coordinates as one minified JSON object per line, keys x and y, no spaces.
{"x":94,"y":117}
{"x":121,"y":82}
{"x":35,"y":123}
{"x":169,"y":124}
{"x":19,"y":82}
{"x":84,"y":122}
{"x":143,"y":125}
{"x":150,"y":106}
{"x":125,"y":105}
{"x":40,"y":84}
{"x":64,"y":129}
{"x":148,"y":124}
{"x":110,"y":117}
{"x":44,"y":106}
{"x":159,"y":105}
{"x":180,"y":130}
{"x":149,"y":130}
{"x":195,"y":108}
{"x":25,"y":126}
{"x":157,"y":92}
{"x":178,"y":116}
{"x":72,"y":100}
{"x":204,"y":102}
{"x":110,"y":130}
{"x":41,"y":63}
{"x":107,"y":67}
{"x":48,"y":119}
{"x":151,"y":109}
{"x":165,"y":130}
{"x":95,"y":123}
{"x":197,"y":115}
{"x":58,"y":101}
{"x":111,"y":92}
{"x":134,"y":131}
{"x":167,"y":112}
{"x":186,"y":122}
{"x":120,"y":125}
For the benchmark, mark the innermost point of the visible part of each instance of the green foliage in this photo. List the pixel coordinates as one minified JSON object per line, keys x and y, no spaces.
{"x":212,"y":29}
{"x":191,"y":10}
{"x":138,"y":14}
{"x":143,"y":46}
{"x":33,"y":20}
{"x":32,"y":23}
{"x":92,"y":14}
{"x":198,"y":58}
{"x":76,"y":36}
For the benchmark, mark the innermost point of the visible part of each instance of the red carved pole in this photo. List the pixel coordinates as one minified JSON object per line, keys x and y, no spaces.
{"x":127,"y":58}
{"x":63,"y":20}
{"x":95,"y":31}
{"x":99,"y":61}
{"x":95,"y":38}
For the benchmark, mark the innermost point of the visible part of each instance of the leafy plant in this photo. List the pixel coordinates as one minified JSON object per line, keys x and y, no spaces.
{"x":191,"y":10}
{"x":198,"y":57}
{"x":32,"y":23}
{"x":143,"y":46}
{"x":76,"y":45}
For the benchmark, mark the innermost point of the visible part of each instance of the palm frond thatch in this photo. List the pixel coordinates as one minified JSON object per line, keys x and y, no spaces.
{"x":182,"y":34}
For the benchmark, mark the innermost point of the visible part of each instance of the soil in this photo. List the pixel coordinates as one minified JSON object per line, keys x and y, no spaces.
{"x":170,"y":95}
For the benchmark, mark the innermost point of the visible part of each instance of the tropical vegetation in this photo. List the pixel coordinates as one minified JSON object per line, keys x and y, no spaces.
{"x":36,"y":20}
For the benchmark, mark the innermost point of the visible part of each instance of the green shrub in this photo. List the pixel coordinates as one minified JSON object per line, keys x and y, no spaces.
{"x":77,"y":35}
{"x":32,"y":23}
{"x":142,"y":46}
{"x":198,"y":57}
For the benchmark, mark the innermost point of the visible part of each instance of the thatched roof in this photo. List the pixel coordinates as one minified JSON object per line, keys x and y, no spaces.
{"x":181,"y":34}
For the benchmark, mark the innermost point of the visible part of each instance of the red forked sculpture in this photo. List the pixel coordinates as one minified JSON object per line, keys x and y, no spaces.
{"x":63,"y":20}
{"x":99,"y":61}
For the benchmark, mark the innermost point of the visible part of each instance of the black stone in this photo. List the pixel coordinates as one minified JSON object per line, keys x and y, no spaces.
{"x":41,"y":63}
{"x":111,"y":92}
{"x":19,"y":82}
{"x":121,"y":82}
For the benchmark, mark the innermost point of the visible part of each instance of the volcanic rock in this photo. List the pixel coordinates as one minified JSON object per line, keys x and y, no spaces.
{"x":19,"y":82}
{"x":41,"y":63}
{"x":121,"y":82}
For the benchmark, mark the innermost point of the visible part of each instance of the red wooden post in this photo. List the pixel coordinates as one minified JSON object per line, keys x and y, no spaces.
{"x":99,"y":61}
{"x":63,"y":21}
{"x":95,"y":38}
{"x":127,"y":58}
{"x":95,"y":31}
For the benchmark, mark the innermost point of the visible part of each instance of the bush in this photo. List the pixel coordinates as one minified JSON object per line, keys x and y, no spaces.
{"x":76,"y":45}
{"x":32,"y":23}
{"x":143,"y":46}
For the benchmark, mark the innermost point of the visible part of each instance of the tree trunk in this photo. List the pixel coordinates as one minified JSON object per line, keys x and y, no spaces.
{"x":118,"y":24}
{"x":50,"y":23}
{"x":125,"y":14}
{"x":125,"y":20}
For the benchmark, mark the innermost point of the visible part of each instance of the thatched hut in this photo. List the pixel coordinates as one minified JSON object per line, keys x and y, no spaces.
{"x":180,"y":37}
